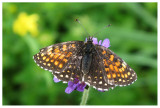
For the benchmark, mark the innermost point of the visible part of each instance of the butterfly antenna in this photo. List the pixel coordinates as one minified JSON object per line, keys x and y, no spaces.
{"x":102,"y":29}
{"x":83,"y":28}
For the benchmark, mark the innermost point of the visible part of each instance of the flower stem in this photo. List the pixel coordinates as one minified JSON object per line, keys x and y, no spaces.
{"x":85,"y":96}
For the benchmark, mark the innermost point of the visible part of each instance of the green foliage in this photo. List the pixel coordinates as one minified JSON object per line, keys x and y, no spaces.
{"x":133,"y":36}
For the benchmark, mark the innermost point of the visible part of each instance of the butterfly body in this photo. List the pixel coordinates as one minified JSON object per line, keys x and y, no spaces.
{"x":87,"y":57}
{"x":92,"y":64}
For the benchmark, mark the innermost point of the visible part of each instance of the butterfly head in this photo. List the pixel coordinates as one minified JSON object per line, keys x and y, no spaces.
{"x":90,"y":39}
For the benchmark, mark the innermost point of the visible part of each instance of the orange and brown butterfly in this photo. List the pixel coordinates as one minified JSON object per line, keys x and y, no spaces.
{"x":90,"y":62}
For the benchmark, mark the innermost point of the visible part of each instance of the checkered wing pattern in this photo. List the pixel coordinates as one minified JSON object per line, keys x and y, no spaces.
{"x":115,"y":70}
{"x":61,"y":59}
{"x":95,"y":76}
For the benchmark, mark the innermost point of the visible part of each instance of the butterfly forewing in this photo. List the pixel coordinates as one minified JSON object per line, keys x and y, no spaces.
{"x":56,"y":57}
{"x":117,"y":72}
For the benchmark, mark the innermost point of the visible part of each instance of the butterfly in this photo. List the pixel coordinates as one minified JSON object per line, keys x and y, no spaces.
{"x":93,"y":64}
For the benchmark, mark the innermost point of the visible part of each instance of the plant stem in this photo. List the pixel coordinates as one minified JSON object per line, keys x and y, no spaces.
{"x":85,"y":96}
{"x":32,"y":43}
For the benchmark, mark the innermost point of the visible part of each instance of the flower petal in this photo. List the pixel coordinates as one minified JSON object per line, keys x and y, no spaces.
{"x":76,"y":80}
{"x":106,"y":43}
{"x":81,"y":87}
{"x":71,"y":86}
{"x":56,"y":80}
{"x":85,"y":40}
{"x":68,"y":90}
{"x":100,"y":42}
{"x":95,"y":40}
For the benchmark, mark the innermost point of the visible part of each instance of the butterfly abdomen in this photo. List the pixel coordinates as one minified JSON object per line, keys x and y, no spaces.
{"x":87,"y":57}
{"x":86,"y":63}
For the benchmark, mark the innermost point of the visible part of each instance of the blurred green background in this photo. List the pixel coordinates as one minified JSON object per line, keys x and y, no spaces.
{"x":27,"y":27}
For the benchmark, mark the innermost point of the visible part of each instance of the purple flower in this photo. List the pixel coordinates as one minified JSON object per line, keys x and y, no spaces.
{"x":95,"y":41}
{"x":72,"y":86}
{"x":56,"y":80}
{"x":81,"y":87}
{"x":105,"y":43}
{"x":76,"y":84}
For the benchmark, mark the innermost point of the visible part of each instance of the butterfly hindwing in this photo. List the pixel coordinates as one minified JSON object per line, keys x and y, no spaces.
{"x":117,"y":72}
{"x":58,"y":56}
{"x":72,"y":69}
{"x":95,"y":76}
